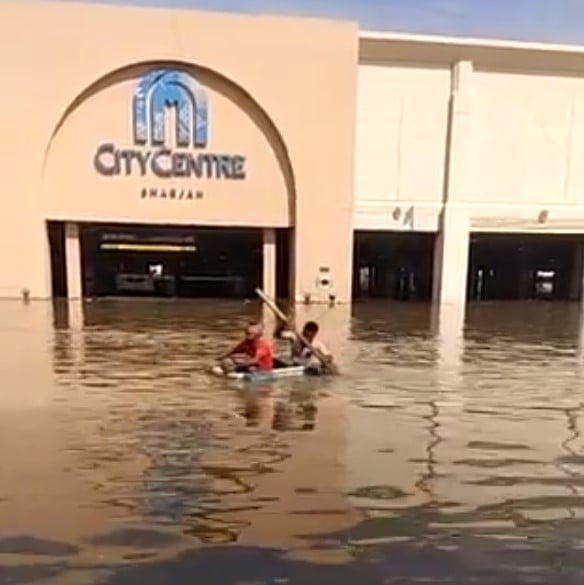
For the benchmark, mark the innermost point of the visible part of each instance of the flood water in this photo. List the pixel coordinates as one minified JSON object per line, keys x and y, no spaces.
{"x":443,"y":454}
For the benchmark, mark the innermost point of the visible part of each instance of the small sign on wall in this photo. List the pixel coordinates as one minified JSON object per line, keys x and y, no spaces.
{"x":324,"y":280}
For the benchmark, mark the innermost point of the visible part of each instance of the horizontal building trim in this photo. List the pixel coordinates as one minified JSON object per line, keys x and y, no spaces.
{"x":470,"y":42}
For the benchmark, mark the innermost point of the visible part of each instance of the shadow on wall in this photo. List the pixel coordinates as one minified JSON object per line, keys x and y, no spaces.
{"x":212,"y":80}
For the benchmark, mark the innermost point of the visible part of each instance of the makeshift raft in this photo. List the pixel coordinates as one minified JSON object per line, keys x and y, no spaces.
{"x":263,"y":376}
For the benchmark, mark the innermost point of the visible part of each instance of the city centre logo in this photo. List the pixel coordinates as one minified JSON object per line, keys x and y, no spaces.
{"x":157,"y":151}
{"x":155,"y":93}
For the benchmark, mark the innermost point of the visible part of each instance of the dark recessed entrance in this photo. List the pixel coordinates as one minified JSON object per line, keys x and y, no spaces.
{"x":393,"y":265}
{"x":520,"y":266}
{"x":171,"y":261}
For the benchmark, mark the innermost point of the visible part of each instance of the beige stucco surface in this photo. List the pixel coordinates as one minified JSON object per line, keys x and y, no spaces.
{"x":503,"y":121}
{"x":402,"y":121}
{"x":340,"y":130}
{"x":281,"y":93}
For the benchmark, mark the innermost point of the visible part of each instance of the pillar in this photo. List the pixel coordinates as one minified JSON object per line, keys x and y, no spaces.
{"x":451,"y":253}
{"x":269,"y":262}
{"x":73,"y":261}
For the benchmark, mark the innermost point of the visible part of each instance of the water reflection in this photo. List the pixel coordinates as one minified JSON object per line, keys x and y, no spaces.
{"x":446,"y":453}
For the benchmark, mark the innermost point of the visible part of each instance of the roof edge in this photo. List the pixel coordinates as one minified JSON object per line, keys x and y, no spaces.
{"x":135,"y":5}
{"x":470,"y":42}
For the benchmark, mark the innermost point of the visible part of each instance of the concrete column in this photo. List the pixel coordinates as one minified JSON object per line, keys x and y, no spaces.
{"x":269,"y":262}
{"x":73,"y":261}
{"x":448,"y":325}
{"x":452,"y":245}
{"x":451,"y":254}
{"x":460,"y":158}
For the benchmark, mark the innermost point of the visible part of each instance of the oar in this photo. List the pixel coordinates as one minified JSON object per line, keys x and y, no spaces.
{"x":328,"y":366}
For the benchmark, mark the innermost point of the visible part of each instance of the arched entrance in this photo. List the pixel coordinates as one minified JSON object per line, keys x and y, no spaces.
{"x":168,"y":178}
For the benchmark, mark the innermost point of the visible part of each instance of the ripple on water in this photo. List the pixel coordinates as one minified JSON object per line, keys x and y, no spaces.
{"x":136,"y":538}
{"x":378,"y":492}
{"x":440,"y":456}
{"x":31,"y":545}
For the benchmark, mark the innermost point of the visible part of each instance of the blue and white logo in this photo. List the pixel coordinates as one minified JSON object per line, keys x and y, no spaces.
{"x":155,"y":94}
{"x":154,"y":153}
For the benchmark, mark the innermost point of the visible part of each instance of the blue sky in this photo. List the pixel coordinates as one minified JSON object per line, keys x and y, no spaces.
{"x":537,"y":20}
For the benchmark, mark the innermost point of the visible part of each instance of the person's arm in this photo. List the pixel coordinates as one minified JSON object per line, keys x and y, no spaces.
{"x":322,"y":348}
{"x":238,"y":349}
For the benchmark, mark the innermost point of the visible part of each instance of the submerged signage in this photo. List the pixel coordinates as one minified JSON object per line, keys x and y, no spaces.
{"x":156,"y":93}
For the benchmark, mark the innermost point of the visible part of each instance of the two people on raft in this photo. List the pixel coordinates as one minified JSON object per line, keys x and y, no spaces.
{"x":256,"y":352}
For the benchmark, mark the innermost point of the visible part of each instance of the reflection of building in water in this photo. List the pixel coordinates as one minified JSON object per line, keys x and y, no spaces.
{"x":295,"y":416}
{"x":173,"y":480}
{"x":296,"y":411}
{"x":429,"y":474}
{"x":25,"y":343}
{"x":568,"y":445}
{"x":299,"y":479}
{"x":33,"y":494}
{"x":134,"y":437}
{"x":43,"y":490}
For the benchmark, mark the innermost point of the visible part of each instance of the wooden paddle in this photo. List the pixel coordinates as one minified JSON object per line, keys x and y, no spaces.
{"x":329,"y":367}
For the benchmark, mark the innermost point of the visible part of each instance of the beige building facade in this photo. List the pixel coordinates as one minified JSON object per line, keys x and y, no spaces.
{"x":458,"y":137}
{"x":153,"y":117}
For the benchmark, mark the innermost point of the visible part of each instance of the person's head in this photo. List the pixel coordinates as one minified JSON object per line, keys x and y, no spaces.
{"x":253,"y":331}
{"x":310,"y":330}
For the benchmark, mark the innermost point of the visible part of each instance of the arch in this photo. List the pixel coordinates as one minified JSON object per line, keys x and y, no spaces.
{"x":213,"y":80}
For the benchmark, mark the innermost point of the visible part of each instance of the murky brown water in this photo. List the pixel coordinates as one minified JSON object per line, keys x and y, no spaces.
{"x":437,"y":457}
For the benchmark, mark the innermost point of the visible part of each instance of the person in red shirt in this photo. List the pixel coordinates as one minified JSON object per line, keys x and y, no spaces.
{"x":254,"y":352}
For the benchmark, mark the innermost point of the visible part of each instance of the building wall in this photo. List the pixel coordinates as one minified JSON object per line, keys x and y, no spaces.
{"x":529,"y":138}
{"x":402,"y":122}
{"x":493,"y":131}
{"x":287,"y":106}
{"x":385,"y":132}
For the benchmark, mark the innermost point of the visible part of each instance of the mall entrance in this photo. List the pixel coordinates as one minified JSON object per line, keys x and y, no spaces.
{"x":171,"y":261}
{"x":525,"y":267}
{"x":392,"y":265}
